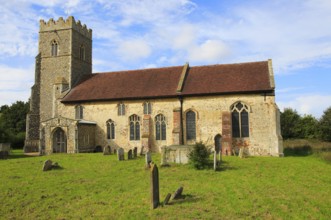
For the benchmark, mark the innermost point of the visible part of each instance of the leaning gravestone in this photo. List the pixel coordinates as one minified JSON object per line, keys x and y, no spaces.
{"x":178,"y":193}
{"x":155,"y":193}
{"x":135,"y":152}
{"x":167,"y":198}
{"x":47,"y":165}
{"x":120,"y":154}
{"x":130,"y":155}
{"x":107,"y":150}
{"x":148,"y":158}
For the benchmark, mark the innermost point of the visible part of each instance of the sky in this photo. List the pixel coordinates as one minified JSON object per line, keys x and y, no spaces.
{"x":136,"y":34}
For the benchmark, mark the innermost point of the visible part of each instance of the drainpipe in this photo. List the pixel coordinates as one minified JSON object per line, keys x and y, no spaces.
{"x":181,"y":120}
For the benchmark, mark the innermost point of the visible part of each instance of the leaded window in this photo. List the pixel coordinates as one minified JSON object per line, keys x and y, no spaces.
{"x":110,"y":129}
{"x":147,"y":108}
{"x":190,"y":125}
{"x":134,"y":127}
{"x":160,"y":127}
{"x":121,"y":109}
{"x":240,"y":122}
{"x":79,"y":112}
{"x":54,"y":48}
{"x":82,"y":52}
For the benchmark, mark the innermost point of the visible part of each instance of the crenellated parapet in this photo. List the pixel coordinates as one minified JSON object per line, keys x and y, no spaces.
{"x":61,"y":24}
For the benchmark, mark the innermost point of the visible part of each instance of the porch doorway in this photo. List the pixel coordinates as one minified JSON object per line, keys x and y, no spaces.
{"x":59,"y":141}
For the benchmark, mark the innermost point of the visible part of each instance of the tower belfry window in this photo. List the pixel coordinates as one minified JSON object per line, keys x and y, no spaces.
{"x":82,"y":52}
{"x":54,"y":48}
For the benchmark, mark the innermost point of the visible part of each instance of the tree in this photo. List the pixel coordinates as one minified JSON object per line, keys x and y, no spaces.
{"x":290,"y":123}
{"x":308,"y":125}
{"x":324,"y":125}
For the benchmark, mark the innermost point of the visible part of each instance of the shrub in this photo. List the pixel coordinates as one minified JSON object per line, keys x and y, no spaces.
{"x":199,"y":156}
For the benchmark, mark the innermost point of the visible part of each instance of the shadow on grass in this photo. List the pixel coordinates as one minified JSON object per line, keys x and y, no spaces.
{"x":185,"y":198}
{"x":224,"y":166}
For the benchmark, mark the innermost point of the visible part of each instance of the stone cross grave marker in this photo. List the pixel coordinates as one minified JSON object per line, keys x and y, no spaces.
{"x":155,"y":193}
{"x":135,"y":152}
{"x":130,"y":155}
{"x":120,"y":154}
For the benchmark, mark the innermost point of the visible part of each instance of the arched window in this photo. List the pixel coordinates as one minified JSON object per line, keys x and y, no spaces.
{"x":54,"y":48}
{"x":240,"y":124}
{"x":110,"y":129}
{"x":190,"y":125}
{"x":82,"y":52}
{"x":79,"y":112}
{"x":134,"y":127}
{"x":121,"y":109}
{"x":160,"y":127}
{"x":147,"y":108}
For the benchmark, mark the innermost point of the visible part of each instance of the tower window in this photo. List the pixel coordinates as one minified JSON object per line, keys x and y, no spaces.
{"x":160,"y":127}
{"x":82,"y":52}
{"x":110,"y":129}
{"x":190,"y":125}
{"x":134,"y":127}
{"x":121,"y":109}
{"x":240,"y":123}
{"x":79,"y":112}
{"x":147,"y":108}
{"x":54,"y":48}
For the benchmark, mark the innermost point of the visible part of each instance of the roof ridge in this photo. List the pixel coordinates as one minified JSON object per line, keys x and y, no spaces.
{"x":228,"y":64}
{"x":135,"y":70}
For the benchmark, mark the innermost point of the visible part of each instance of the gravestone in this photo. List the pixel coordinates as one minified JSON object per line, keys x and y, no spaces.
{"x":164,"y":161}
{"x":241,"y":152}
{"x":107,"y":150}
{"x":120,"y":154}
{"x":148,"y":158}
{"x":178,"y":193}
{"x":135,"y":152}
{"x":47,"y":165}
{"x":155,"y":194}
{"x":167,"y":198}
{"x":130,"y":155}
{"x":215,"y":160}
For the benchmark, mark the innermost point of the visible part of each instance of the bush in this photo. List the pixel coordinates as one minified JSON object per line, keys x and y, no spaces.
{"x":199,"y":156}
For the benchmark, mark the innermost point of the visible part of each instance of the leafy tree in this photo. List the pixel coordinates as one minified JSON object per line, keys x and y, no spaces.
{"x":324,"y":125}
{"x":308,"y":125}
{"x":290,"y":123}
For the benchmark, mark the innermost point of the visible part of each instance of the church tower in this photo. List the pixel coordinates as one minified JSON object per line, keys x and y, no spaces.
{"x":65,"y":56}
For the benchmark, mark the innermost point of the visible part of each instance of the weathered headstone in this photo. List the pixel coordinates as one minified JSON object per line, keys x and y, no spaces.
{"x":167,"y":198}
{"x":178,"y":193}
{"x":107,"y":150}
{"x":135,"y":152}
{"x":47,"y":165}
{"x":148,"y":158}
{"x":155,"y":194}
{"x":120,"y":154}
{"x":241,"y":152}
{"x":164,"y":161}
{"x":130,"y":155}
{"x":215,"y":160}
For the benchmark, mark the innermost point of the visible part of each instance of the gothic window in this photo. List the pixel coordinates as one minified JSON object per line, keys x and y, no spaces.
{"x":54,"y":48}
{"x":190,"y":125}
{"x":147,"y":108}
{"x":160,"y":127}
{"x":82,"y":52}
{"x":79,"y":112}
{"x":240,"y":123}
{"x":121,"y":109}
{"x":110,"y":129}
{"x":134,"y":127}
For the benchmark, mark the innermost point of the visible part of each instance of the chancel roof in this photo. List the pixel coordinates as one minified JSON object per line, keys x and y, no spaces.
{"x":175,"y":81}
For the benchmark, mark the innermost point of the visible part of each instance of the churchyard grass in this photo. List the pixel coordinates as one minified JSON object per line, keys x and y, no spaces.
{"x":93,"y":186}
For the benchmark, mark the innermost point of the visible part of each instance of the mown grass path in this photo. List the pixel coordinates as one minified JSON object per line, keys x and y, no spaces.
{"x":93,"y":186}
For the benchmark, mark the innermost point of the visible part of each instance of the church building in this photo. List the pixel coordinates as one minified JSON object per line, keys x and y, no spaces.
{"x":73,"y":110}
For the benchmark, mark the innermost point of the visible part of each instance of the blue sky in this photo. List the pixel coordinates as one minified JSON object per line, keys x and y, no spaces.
{"x":132,"y":34}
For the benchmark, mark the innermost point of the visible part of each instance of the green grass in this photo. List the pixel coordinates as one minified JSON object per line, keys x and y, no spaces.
{"x":93,"y":186}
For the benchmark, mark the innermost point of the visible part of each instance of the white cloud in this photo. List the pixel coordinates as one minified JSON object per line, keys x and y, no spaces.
{"x":308,"y":104}
{"x":133,"y":50}
{"x":209,"y":51}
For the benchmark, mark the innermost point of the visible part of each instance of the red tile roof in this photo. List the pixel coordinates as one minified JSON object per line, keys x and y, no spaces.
{"x":163,"y":82}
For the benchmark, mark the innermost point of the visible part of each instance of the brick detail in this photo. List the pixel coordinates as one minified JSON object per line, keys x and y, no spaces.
{"x":177,"y":131}
{"x":226,"y":133}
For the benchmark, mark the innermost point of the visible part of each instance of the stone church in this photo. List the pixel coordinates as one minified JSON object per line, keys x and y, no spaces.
{"x":72,"y":110}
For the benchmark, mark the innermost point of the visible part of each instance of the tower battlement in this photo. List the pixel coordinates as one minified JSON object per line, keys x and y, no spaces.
{"x":61,"y":24}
